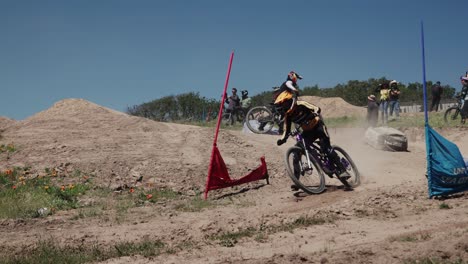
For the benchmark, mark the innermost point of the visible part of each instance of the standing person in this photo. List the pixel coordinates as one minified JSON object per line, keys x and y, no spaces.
{"x":246,"y":101}
{"x":394,"y":99}
{"x":233,"y":100}
{"x":436,"y":95}
{"x":372,"y":111}
{"x":384,"y":92}
{"x":464,"y":93}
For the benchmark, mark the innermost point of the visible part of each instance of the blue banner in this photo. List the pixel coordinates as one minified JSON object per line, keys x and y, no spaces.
{"x":447,"y":170}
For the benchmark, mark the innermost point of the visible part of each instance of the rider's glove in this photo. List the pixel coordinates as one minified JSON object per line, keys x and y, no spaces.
{"x":280,"y":142}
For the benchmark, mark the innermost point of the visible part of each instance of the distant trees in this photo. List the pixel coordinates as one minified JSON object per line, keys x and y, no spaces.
{"x":355,"y":92}
{"x":183,"y":107}
{"x":192,"y":107}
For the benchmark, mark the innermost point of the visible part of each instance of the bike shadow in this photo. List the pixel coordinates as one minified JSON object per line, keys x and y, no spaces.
{"x":328,"y":188}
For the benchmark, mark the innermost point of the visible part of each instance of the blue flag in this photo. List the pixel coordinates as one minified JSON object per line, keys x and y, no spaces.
{"x":446,"y":169}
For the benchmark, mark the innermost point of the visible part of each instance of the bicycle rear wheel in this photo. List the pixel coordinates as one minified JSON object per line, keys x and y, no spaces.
{"x":350,"y":167}
{"x":227,"y":119}
{"x":309,"y":178}
{"x":452,"y":116}
{"x":259,"y":120}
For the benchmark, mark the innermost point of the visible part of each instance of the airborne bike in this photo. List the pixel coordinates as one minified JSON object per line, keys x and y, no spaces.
{"x":307,"y":165}
{"x":262,"y":119}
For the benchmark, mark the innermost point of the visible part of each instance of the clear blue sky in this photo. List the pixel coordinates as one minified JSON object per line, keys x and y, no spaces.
{"x":122,"y":53}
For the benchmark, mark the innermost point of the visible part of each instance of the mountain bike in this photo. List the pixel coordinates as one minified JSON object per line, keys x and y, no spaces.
{"x":452,"y":115}
{"x":262,"y":119}
{"x":230,"y":116}
{"x":307,"y":165}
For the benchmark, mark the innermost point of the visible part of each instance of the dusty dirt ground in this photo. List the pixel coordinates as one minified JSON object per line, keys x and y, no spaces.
{"x":388,"y":219}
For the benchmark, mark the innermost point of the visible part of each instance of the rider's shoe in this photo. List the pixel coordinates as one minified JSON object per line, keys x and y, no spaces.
{"x":294,"y":187}
{"x":344,"y":175}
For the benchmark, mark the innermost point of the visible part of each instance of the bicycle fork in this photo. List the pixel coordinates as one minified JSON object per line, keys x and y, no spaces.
{"x":309,"y":165}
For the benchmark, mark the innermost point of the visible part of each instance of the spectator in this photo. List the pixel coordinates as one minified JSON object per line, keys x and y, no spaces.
{"x":436,"y":95}
{"x":233,"y":100}
{"x":372,"y":111}
{"x":384,"y":91}
{"x":394,"y":99}
{"x":246,"y":101}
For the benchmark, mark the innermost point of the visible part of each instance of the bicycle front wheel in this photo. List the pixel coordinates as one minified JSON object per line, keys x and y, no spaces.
{"x":259,"y":120}
{"x":306,"y":175}
{"x":349,"y":165}
{"x":452,"y":116}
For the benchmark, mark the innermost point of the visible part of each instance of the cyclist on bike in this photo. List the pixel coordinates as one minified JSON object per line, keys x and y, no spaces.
{"x":464,"y":93}
{"x":307,"y":117}
{"x":288,"y":88}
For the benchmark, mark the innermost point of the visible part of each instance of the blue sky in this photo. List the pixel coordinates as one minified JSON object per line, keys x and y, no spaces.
{"x":122,"y":53}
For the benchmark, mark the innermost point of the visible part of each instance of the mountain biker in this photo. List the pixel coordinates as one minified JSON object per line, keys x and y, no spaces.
{"x":464,"y":93}
{"x":307,"y":117}
{"x":288,"y":88}
{"x":283,"y":93}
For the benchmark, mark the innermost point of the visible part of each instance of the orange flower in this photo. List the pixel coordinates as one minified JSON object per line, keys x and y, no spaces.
{"x":131,"y":190}
{"x":14,"y":187}
{"x":9,"y":172}
{"x":62,"y":188}
{"x":149,"y":196}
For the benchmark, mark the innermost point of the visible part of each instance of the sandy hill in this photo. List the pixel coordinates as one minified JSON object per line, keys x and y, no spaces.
{"x":6,"y":122}
{"x":335,"y":106}
{"x":75,"y":134}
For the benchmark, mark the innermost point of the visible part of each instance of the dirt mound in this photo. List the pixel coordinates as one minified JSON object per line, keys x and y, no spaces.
{"x":6,"y":122}
{"x":335,"y":106}
{"x":75,"y":134}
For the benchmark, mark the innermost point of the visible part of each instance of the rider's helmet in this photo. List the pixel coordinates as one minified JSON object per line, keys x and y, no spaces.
{"x":245,"y":93}
{"x":234,"y":90}
{"x":464,"y":78}
{"x":293,"y":76}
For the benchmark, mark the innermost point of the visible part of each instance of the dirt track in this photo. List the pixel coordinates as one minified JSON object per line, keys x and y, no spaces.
{"x":388,"y":219}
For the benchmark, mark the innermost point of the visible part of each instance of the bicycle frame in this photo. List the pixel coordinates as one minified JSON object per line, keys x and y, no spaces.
{"x":314,"y":150}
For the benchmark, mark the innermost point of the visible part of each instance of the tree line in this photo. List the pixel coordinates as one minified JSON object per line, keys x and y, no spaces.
{"x":192,"y":107}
